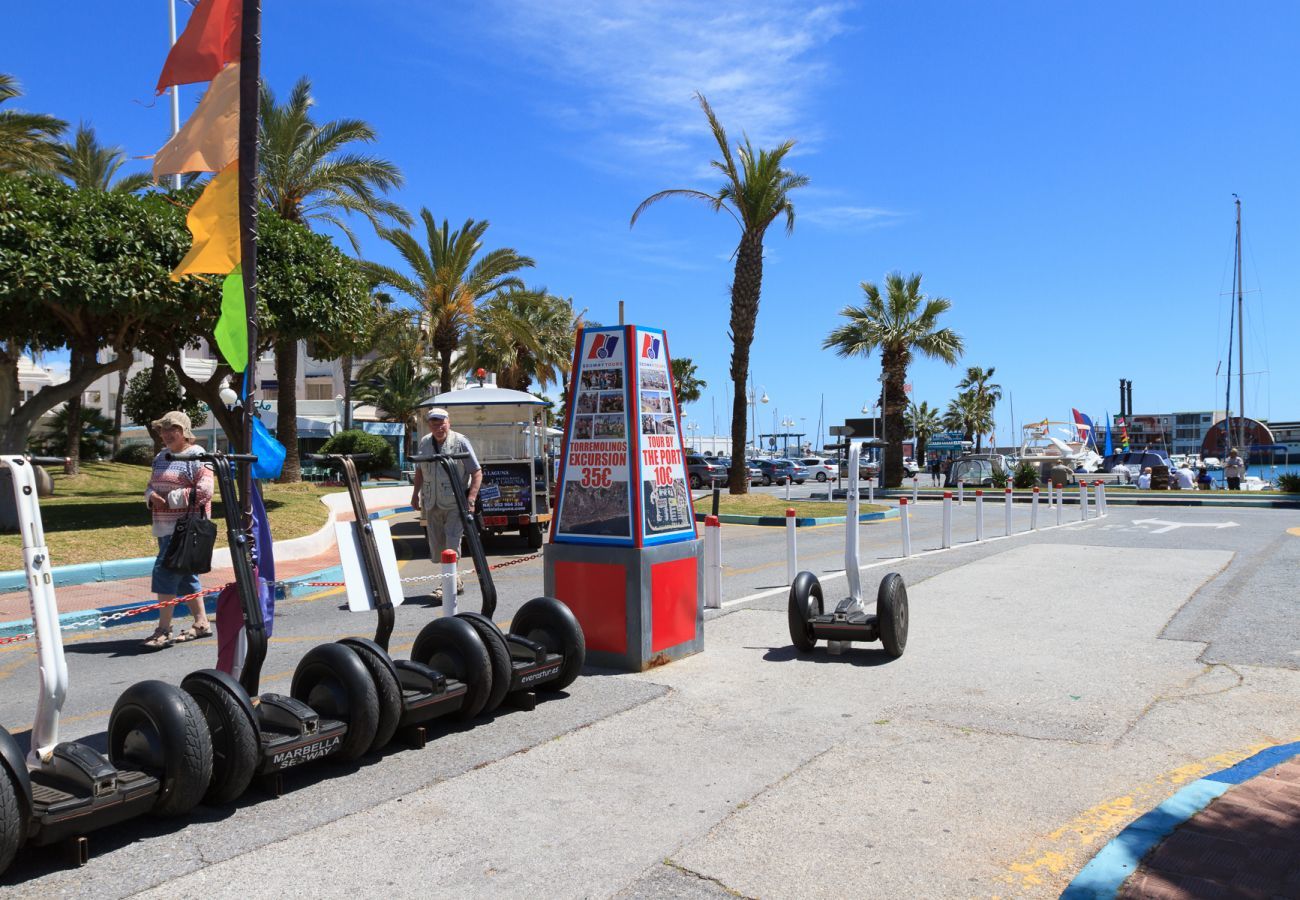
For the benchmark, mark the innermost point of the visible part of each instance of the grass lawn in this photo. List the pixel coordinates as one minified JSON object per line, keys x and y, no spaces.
{"x":100,"y":514}
{"x":768,"y":505}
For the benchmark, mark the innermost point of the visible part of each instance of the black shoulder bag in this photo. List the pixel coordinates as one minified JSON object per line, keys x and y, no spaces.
{"x":190,"y":550}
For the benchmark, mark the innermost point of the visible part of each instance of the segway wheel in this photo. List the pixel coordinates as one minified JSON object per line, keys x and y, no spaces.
{"x":805,"y":602}
{"x":453,"y":647}
{"x":11,"y":824}
{"x":235,"y":747}
{"x":498,"y":655}
{"x":334,"y":682}
{"x":387,"y":691}
{"x":553,"y":625}
{"x":891,"y":613}
{"x":158,"y":729}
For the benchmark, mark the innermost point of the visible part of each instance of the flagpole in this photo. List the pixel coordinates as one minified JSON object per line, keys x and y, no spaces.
{"x":249,"y":62}
{"x":176,"y":89}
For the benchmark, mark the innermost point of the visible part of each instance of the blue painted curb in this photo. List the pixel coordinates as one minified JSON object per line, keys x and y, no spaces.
{"x":1106,"y":873}
{"x":800,"y":522}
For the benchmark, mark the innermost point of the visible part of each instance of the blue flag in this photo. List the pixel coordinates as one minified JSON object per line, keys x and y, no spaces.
{"x":263,"y":559}
{"x":1110,"y":445}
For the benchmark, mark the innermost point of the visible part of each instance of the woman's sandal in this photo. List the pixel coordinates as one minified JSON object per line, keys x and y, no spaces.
{"x":193,"y":633}
{"x":161,"y":637}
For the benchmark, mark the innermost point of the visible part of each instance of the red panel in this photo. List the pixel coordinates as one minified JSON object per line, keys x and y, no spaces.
{"x":597,"y":594}
{"x":673,"y":603}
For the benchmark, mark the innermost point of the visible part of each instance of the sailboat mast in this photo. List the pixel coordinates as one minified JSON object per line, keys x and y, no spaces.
{"x":1241,"y":346}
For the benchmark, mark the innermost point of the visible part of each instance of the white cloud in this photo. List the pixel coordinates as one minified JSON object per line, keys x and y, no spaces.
{"x":847,"y":217}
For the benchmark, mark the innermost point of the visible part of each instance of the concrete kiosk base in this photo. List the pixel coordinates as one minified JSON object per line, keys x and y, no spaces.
{"x":639,"y":607}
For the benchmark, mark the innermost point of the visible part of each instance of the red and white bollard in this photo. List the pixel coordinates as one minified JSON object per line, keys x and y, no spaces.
{"x":1083,"y":501}
{"x":1033,"y":510}
{"x":907,"y":527}
{"x":947,"y":519}
{"x":449,"y":560}
{"x":712,"y":563}
{"x":915,"y":487}
{"x":1059,"y":502}
{"x":1008,"y":524}
{"x":961,"y":493}
{"x":1100,"y":488}
{"x":791,"y":547}
{"x":979,"y":515}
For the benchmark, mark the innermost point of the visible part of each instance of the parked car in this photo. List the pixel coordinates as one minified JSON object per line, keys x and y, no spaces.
{"x":779,"y":471}
{"x":818,"y":468}
{"x":703,"y":472}
{"x":755,"y":473}
{"x":866,"y":469}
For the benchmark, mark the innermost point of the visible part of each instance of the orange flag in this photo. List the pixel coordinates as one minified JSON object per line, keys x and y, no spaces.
{"x":210,"y":139}
{"x":214,"y":222}
{"x":209,"y":41}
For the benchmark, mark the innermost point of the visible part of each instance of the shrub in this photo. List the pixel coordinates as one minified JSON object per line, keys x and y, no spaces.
{"x":135,"y":455}
{"x":1289,"y":482}
{"x":357,"y":441}
{"x":1025,"y":475}
{"x":999,"y":478}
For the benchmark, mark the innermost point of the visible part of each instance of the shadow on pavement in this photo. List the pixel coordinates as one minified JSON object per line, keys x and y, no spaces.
{"x":854,"y":656}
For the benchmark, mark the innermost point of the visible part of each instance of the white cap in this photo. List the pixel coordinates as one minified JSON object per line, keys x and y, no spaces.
{"x":436,"y":412}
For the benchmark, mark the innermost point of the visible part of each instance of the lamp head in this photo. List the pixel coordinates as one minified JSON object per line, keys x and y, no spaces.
{"x":228,"y":396}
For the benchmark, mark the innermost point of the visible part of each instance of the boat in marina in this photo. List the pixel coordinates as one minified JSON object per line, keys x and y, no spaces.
{"x":1046,"y":443}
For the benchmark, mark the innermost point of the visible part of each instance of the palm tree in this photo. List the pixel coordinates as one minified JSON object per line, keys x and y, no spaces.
{"x":967,"y":415}
{"x":984,"y":395}
{"x":28,"y":141}
{"x":687,"y":384}
{"x":446,"y":280}
{"x":308,"y":175}
{"x":754,"y":193}
{"x":524,"y":336}
{"x":92,"y":166}
{"x":396,"y":387}
{"x":923,"y":422}
{"x":897,"y":324}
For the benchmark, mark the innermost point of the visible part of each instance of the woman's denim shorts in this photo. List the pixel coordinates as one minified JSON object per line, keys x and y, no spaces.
{"x":168,"y":581}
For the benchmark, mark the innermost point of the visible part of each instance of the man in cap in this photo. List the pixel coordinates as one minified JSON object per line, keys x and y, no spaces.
{"x":433,"y":489}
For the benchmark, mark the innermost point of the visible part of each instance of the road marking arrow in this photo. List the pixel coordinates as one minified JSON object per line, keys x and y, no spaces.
{"x":1170,"y":526}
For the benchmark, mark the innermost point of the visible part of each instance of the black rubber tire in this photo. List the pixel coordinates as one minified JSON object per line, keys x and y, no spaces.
{"x":535,"y":535}
{"x":11,"y":821}
{"x":821,"y":477}
{"x":453,"y":647}
{"x":498,"y":656}
{"x":767,"y":481}
{"x":553,"y":625}
{"x":891,"y":614}
{"x":805,"y":602}
{"x":157,"y":728}
{"x":334,"y":682}
{"x":236,"y":750}
{"x":387,"y":691}
{"x":695,"y":482}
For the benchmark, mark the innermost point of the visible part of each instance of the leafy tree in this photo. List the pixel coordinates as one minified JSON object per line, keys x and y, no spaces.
{"x":984,"y":397}
{"x":685,"y":382}
{"x":91,"y":166}
{"x":396,"y":388}
{"x":898,"y":323}
{"x":450,"y":280}
{"x":94,"y":434}
{"x":524,"y":336}
{"x":923,"y":422}
{"x":152,"y":392}
{"x":28,"y":141}
{"x":754,"y":192}
{"x":355,"y":440}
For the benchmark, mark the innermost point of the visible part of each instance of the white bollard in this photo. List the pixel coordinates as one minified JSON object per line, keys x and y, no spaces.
{"x":947,"y":519}
{"x":915,"y":487}
{"x":907,"y":527}
{"x":1033,"y":510}
{"x":1008,"y":531}
{"x":1059,"y":491}
{"x":712,"y":563}
{"x":448,"y":583}
{"x":788,"y":482}
{"x":1083,"y":501}
{"x":791,"y":547}
{"x":979,"y":514}
{"x":961,"y":493}
{"x":1099,"y":495}
{"x":871,"y":491}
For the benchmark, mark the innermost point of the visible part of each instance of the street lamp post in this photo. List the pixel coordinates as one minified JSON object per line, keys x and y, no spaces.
{"x":753,"y":407}
{"x":786,"y":424}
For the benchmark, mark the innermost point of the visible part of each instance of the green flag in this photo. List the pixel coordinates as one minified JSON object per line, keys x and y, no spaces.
{"x":232,"y":328}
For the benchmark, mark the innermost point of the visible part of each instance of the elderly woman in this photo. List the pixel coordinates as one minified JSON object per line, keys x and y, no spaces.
{"x":175,"y":485}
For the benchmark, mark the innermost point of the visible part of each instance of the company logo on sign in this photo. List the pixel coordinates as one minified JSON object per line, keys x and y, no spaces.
{"x":650,"y":347}
{"x":603,"y":346}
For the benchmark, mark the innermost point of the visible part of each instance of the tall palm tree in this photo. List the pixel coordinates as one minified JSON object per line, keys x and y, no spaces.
{"x":754,"y":193}
{"x":524,"y":336}
{"x":309,"y":174}
{"x":899,"y":323}
{"x":396,"y":387}
{"x":450,"y":280}
{"x":967,"y":415}
{"x":92,"y":166}
{"x":28,"y":141}
{"x":985,"y":396}
{"x":923,"y":422}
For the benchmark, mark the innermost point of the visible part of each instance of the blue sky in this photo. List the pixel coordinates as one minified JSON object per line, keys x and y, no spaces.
{"x":1062,"y":172}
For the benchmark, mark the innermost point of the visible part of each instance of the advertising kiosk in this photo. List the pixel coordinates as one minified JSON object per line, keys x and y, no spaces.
{"x":623,"y":551}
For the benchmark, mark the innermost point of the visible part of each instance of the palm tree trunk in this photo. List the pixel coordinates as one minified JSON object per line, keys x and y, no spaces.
{"x":895,"y":368}
{"x":444,"y":377}
{"x":286,"y":429}
{"x":746,"y":287}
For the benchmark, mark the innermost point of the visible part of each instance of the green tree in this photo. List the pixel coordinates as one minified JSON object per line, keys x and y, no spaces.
{"x":686,"y":383}
{"x":396,"y":387}
{"x":899,"y":323}
{"x":28,"y":141}
{"x":450,"y":279}
{"x":984,"y":396}
{"x":91,"y":166}
{"x":923,"y":422}
{"x":154,"y":391}
{"x":309,"y":174}
{"x":524,"y":336}
{"x":93,"y":434}
{"x":754,"y":192}
{"x":381,"y":459}
{"x":967,"y":415}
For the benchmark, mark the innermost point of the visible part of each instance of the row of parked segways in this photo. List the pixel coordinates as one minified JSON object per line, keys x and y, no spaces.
{"x":172,"y":747}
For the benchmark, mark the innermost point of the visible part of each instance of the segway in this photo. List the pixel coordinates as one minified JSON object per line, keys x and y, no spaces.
{"x":448,"y":673}
{"x":809,"y":621}
{"x":332,"y":710}
{"x":159,"y":750}
{"x":544,"y":649}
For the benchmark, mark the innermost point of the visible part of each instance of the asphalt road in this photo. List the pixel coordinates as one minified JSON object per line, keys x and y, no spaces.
{"x":1175,"y":633}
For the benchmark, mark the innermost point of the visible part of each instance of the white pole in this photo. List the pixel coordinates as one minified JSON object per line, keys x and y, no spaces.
{"x":871,"y":491}
{"x":961,"y":493}
{"x":712,"y":563}
{"x":915,"y":483}
{"x":1059,"y":498}
{"x":1102,"y":509}
{"x":1033,"y":510}
{"x":947,"y":519}
{"x":1008,"y":531}
{"x":176,"y":97}
{"x":448,"y":583}
{"x":791,"y":547}
{"x":979,"y":514}
{"x":907,"y":528}
{"x":1083,"y":501}
{"x":787,"y":487}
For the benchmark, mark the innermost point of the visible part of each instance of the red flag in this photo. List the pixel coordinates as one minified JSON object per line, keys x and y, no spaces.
{"x":210,"y":40}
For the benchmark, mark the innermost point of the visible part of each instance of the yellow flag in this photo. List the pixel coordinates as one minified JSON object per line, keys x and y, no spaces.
{"x":214,"y":222}
{"x":210,"y":139}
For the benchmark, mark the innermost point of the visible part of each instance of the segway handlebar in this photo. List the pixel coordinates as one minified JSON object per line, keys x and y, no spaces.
{"x":209,"y":457}
{"x":434,"y":457}
{"x":48,"y":460}
{"x":337,"y":457}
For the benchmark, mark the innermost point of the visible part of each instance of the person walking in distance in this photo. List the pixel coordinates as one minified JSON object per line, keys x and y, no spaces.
{"x":1234,"y":468}
{"x":433,"y":490}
